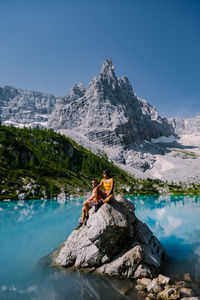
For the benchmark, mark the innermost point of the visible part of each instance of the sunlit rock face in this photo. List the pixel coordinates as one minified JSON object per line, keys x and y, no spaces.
{"x":186,"y":126}
{"x":110,"y":114}
{"x":114,"y":242}
{"x":19,"y":107}
{"x":108,"y":111}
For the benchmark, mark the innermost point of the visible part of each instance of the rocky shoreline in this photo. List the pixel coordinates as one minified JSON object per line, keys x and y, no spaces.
{"x":163,"y":287}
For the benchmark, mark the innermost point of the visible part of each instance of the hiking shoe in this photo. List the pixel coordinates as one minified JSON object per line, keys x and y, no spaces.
{"x":95,"y":207}
{"x":79,"y":225}
{"x":100,"y":203}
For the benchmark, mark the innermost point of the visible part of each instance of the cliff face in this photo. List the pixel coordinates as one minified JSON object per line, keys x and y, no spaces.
{"x":186,"y":126}
{"x":110,"y":117}
{"x":108,"y":112}
{"x":25,"y":107}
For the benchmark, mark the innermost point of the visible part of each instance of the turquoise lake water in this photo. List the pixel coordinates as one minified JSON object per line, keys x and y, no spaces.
{"x":30,"y":230}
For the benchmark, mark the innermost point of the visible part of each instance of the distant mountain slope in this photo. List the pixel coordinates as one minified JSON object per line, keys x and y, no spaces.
{"x":37,"y":163}
{"x":41,"y":163}
{"x":19,"y":107}
{"x":186,"y":126}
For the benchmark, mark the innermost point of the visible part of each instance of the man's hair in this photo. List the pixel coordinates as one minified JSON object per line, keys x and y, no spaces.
{"x":94,"y":180}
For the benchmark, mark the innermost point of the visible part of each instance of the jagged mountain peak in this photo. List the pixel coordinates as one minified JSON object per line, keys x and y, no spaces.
{"x":108,"y":112}
{"x":107,"y":85}
{"x":9,"y":91}
{"x":77,"y":89}
{"x":126,"y":86}
{"x":9,"y":88}
{"x":125,"y":80}
{"x":107,"y":75}
{"x":107,"y":71}
{"x":107,"y":67}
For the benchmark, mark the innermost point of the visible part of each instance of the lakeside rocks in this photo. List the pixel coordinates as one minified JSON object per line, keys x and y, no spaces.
{"x":165,"y":288}
{"x":62,"y":197}
{"x":114,"y":242}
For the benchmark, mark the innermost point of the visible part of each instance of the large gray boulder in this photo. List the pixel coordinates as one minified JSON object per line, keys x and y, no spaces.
{"x":114,"y":242}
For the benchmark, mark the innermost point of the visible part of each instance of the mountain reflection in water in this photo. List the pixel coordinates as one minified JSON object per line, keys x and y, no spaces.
{"x":175,"y":222}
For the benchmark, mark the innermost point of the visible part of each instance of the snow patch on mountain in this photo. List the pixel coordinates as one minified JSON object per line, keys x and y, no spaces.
{"x":164,"y":139}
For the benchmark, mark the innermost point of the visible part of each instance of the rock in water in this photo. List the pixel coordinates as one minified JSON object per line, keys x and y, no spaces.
{"x":114,"y":242}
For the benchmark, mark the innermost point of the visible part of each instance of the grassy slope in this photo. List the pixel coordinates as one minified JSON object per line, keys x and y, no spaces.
{"x":48,"y":162}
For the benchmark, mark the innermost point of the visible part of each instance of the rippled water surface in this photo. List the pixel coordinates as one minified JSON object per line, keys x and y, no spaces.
{"x":30,"y":230}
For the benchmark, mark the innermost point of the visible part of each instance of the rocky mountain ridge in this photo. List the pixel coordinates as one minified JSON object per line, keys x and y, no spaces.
{"x":109,"y":119}
{"x":19,"y":107}
{"x":108,"y":111}
{"x":110,"y":116}
{"x":23,"y":107}
{"x":186,"y":126}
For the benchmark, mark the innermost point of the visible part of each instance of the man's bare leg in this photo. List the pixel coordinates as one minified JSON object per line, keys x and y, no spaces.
{"x":83,"y":214}
{"x":86,"y":206}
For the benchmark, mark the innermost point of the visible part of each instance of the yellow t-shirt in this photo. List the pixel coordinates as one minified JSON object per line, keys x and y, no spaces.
{"x":107,"y":184}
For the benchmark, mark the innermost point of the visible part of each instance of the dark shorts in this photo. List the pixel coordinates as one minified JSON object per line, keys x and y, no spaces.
{"x":91,"y":203}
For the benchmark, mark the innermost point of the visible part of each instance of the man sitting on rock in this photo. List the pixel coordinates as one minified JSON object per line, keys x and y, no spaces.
{"x":94,"y":200}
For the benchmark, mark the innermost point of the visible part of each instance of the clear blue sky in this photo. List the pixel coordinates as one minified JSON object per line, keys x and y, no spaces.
{"x":48,"y":45}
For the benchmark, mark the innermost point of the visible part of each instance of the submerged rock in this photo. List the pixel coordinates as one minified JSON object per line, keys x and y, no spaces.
{"x":62,"y":197}
{"x":114,"y":242}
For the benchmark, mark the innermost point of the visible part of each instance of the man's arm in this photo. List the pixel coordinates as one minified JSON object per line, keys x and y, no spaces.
{"x":100,"y":184}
